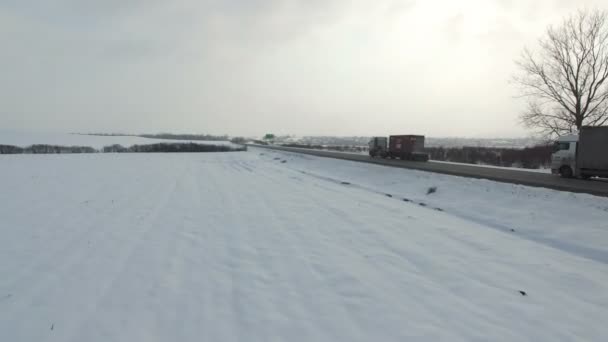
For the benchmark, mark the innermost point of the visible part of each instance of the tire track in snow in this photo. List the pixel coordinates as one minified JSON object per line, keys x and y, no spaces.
{"x":53,"y":285}
{"x":341,"y":242}
{"x":89,"y":327}
{"x":252,"y":250}
{"x":77,"y":237}
{"x":303,"y":283}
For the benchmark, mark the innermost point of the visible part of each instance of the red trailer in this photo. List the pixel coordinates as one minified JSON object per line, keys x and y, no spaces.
{"x":407,"y":147}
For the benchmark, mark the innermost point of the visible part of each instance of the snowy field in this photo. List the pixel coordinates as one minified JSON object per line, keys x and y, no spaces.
{"x":273,"y":246}
{"x":22,"y":139}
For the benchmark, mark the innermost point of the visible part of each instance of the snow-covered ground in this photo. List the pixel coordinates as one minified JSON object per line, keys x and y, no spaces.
{"x":273,"y":246}
{"x":24,"y":139}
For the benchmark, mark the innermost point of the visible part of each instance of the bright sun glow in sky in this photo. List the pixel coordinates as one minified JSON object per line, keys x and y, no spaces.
{"x":244,"y":67}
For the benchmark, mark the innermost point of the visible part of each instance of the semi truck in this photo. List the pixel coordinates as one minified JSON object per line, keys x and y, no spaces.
{"x":583,"y":155}
{"x":405,"y":147}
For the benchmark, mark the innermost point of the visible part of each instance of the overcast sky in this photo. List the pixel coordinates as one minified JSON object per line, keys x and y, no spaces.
{"x":247,"y":67}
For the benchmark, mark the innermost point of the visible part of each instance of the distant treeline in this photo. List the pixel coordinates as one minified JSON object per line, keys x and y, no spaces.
{"x":172,"y":148}
{"x":340,"y":148}
{"x":167,"y":136}
{"x":161,"y":147}
{"x":204,"y":137}
{"x":45,"y":149}
{"x":530,"y":157}
{"x":107,"y":134}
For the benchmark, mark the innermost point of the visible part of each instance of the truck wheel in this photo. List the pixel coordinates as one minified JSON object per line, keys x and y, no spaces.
{"x":565,"y":172}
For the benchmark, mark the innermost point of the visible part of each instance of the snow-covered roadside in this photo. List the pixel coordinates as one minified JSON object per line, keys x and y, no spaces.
{"x":269,"y":246}
{"x":577,"y":223}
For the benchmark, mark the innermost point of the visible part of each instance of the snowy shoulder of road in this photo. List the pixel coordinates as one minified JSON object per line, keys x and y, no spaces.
{"x":24,"y":139}
{"x":266,"y":245}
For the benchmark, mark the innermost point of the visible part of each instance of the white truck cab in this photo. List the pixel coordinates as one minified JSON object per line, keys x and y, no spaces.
{"x":563,"y":159}
{"x":583,"y":155}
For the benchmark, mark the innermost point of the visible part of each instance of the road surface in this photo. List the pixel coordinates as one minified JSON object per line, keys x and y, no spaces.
{"x":594,"y":187}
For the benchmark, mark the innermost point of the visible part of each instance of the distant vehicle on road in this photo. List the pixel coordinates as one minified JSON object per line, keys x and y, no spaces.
{"x":582,"y":155}
{"x":405,"y":147}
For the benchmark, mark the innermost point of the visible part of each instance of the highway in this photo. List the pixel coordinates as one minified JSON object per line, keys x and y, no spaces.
{"x":597,"y":187}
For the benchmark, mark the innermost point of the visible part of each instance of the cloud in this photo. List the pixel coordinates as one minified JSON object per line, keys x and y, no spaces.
{"x":246,"y":67}
{"x":453,"y":28}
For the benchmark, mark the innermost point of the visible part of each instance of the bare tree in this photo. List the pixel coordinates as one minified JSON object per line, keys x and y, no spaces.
{"x":566,"y":81}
